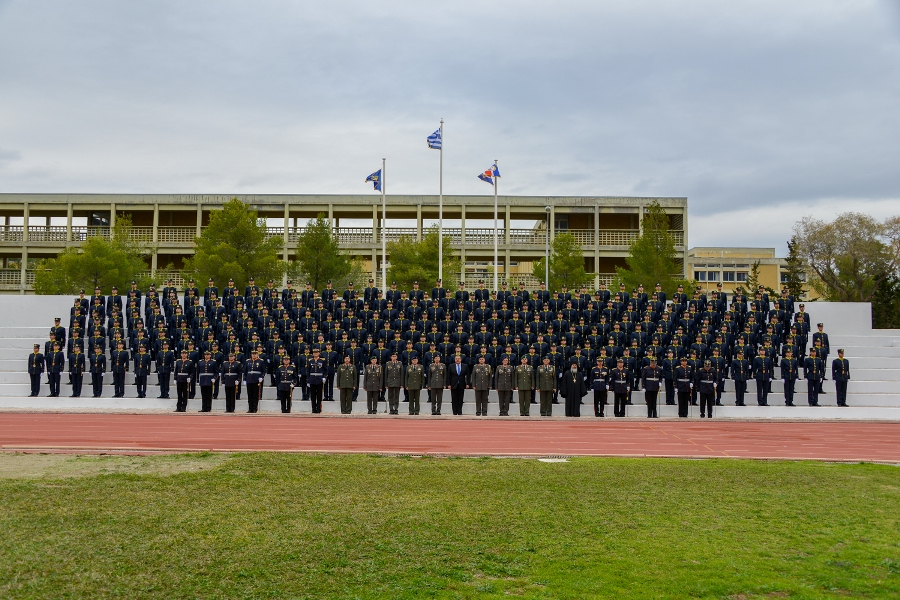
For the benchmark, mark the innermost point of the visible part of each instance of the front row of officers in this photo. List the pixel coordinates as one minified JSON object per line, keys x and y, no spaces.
{"x":685,"y":381}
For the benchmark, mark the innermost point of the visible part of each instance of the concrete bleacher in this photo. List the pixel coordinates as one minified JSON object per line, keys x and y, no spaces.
{"x":874,"y":392}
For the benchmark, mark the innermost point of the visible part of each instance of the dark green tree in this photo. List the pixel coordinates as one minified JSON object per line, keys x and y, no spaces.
{"x":97,"y":262}
{"x":566,"y":264}
{"x":235,"y":245}
{"x":319,"y":259}
{"x":795,"y":270}
{"x":651,"y":256}
{"x":886,"y":304}
{"x":413,"y":261}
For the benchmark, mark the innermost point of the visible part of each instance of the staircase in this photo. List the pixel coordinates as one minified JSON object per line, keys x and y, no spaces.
{"x":873,"y":392}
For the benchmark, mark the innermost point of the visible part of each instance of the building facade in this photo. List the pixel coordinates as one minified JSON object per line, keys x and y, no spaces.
{"x":38,"y":226}
{"x":732,"y":268}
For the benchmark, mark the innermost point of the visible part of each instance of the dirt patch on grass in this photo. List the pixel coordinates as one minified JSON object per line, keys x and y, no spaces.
{"x":60,"y":466}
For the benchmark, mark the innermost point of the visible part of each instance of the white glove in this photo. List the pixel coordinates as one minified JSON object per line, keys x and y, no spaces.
{"x":715,"y":385}
{"x":692,"y":386}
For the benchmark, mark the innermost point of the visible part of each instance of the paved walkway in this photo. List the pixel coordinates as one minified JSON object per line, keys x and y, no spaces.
{"x":454,"y":436}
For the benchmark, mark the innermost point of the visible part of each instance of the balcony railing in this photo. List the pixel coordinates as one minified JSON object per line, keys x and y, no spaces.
{"x":10,"y":279}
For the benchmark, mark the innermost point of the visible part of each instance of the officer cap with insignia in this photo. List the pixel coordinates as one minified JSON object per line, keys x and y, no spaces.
{"x":38,"y":346}
{"x":56,"y":319}
{"x":820,"y":324}
{"x":653,"y":359}
{"x":840,"y":350}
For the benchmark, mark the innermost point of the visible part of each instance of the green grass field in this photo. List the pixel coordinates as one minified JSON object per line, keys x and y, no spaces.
{"x":295,"y":526}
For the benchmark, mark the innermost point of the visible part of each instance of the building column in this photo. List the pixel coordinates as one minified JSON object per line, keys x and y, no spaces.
{"x":684,"y":227}
{"x":419,"y":223}
{"x":69,"y":223}
{"x":552,"y":225}
{"x":154,"y":259}
{"x":374,"y":225}
{"x":508,"y":236}
{"x":596,"y":246}
{"x":641,"y":219}
{"x":462,"y":244}
{"x":26,"y":214}
{"x":199,"y":219}
{"x":331,"y":215}
{"x":375,"y":266}
{"x":112,"y":219}
{"x":286,"y":239}
{"x":24,"y":266}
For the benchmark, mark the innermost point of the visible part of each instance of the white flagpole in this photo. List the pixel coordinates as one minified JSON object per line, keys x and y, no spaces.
{"x":496,"y":287}
{"x":441,"y":210}
{"x":383,"y":224}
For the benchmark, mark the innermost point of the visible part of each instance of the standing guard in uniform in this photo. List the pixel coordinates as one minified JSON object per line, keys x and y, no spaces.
{"x":684,"y":384}
{"x":789,"y":374}
{"x":35,"y":370}
{"x":482,"y":375}
{"x":840,"y":373}
{"x":504,"y":385}
{"x":524,"y":384}
{"x":372,"y":379}
{"x":141,"y":371}
{"x":77,"y":367}
{"x":546,"y":385}
{"x":347,"y":383}
{"x":315,"y":380}
{"x":230,"y":374}
{"x":393,"y":381}
{"x":97,"y":369}
{"x":207,"y":373}
{"x":813,"y":372}
{"x":287,"y":379}
{"x":762,"y":372}
{"x":254,"y":374}
{"x":651,"y":378}
{"x":55,"y":362}
{"x":119,"y":361}
{"x":707,"y":382}
{"x":572,"y":388}
{"x":184,"y":370}
{"x":598,"y":382}
{"x":415,"y":381}
{"x":165,"y":360}
{"x":741,"y":373}
{"x":437,"y":376}
{"x":620,"y":379}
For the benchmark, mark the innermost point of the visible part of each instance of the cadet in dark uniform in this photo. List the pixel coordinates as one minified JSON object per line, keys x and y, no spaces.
{"x":437,"y":376}
{"x":286,"y":378}
{"x":165,"y":360}
{"x":762,"y":372}
{"x":572,"y":388}
{"x":347,"y":383}
{"x":415,"y":381}
{"x":315,"y":380}
{"x":789,"y":374}
{"x":482,"y":376}
{"x":77,"y":367}
{"x":254,"y":374}
{"x":504,"y":385}
{"x":741,"y":373}
{"x":598,"y":382}
{"x":651,"y":377}
{"x":620,"y":380}
{"x":707,"y":381}
{"x":119,"y":360}
{"x":684,"y":383}
{"x":230,"y":373}
{"x":35,"y":370}
{"x":840,"y":373}
{"x":207,"y":373}
{"x":141,"y":371}
{"x":813,"y":372}
{"x":546,"y":386}
{"x":393,"y":381}
{"x":372,"y":378}
{"x":97,"y":369}
{"x":55,"y":363}
{"x":184,"y":370}
{"x":524,"y":384}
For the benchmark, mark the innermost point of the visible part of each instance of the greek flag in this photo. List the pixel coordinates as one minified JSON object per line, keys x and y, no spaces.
{"x":488,"y":175}
{"x":375,"y":178}
{"x":434,"y":140}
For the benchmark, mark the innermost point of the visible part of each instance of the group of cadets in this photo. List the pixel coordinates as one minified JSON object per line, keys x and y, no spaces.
{"x":539,"y":344}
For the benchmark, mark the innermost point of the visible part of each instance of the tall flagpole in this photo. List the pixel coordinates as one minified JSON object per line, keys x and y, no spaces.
{"x":441,"y":211}
{"x":383,"y":224}
{"x":496,"y":181}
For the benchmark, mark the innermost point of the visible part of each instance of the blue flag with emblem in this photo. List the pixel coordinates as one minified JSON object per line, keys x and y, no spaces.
{"x":375,"y":178}
{"x":434,"y":140}
{"x":489,"y":174}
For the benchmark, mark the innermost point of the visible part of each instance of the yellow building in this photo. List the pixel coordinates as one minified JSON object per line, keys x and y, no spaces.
{"x":732,"y":266}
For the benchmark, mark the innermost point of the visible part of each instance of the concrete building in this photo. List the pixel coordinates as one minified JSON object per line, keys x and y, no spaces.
{"x":732,"y":266}
{"x":37,"y":226}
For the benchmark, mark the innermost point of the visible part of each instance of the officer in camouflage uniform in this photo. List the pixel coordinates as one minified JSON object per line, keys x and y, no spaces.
{"x":481,"y":381}
{"x":347,"y":383}
{"x":393,"y":381}
{"x":546,"y":385}
{"x":415,"y":381}
{"x":524,"y":383}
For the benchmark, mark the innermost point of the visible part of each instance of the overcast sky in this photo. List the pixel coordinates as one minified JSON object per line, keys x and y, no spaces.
{"x":759,"y":112}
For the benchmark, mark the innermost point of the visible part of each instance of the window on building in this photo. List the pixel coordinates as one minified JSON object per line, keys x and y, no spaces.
{"x":784,"y":277}
{"x":742,"y":276}
{"x":712,"y":276}
{"x":561,"y":223}
{"x":700,"y":275}
{"x":728,"y":275}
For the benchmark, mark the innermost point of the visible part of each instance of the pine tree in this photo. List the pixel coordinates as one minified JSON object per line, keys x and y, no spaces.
{"x":413,"y":261}
{"x":651,"y":257}
{"x":794,"y":270}
{"x":566,"y":264}
{"x":319,"y":258}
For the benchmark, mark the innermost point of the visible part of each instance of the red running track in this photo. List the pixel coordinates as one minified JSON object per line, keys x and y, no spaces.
{"x":842,"y":441}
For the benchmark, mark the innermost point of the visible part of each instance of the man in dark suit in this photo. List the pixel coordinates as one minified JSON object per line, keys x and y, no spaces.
{"x":457,"y":383}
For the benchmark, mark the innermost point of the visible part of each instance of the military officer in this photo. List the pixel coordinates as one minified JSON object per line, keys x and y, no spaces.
{"x":415,"y":381}
{"x":684,"y":384}
{"x":142,"y":371}
{"x":315,"y":380}
{"x":119,"y":361}
{"x":482,"y":376}
{"x":230,"y":374}
{"x":523,"y":382}
{"x":165,"y":360}
{"x":347,"y":383}
{"x":651,"y":378}
{"x":393,"y":381}
{"x":287,"y":379}
{"x":437,"y":376}
{"x":762,"y":372}
{"x":546,"y":385}
{"x":620,"y":380}
{"x":707,"y":382}
{"x":372,"y":380}
{"x":597,"y":381}
{"x":504,"y":384}
{"x":55,"y":362}
{"x":741,"y":373}
{"x":789,"y":374}
{"x":207,"y":373}
{"x":77,"y":367}
{"x":254,"y":373}
{"x":98,"y":369}
{"x":813,"y":372}
{"x":840,"y":373}
{"x":35,"y":370}
{"x":184,"y":369}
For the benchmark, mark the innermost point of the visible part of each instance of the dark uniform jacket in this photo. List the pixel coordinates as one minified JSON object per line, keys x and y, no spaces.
{"x":35,"y":363}
{"x":840,"y":369}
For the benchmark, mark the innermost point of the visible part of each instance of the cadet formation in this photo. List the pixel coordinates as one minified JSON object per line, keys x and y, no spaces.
{"x":403,"y":348}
